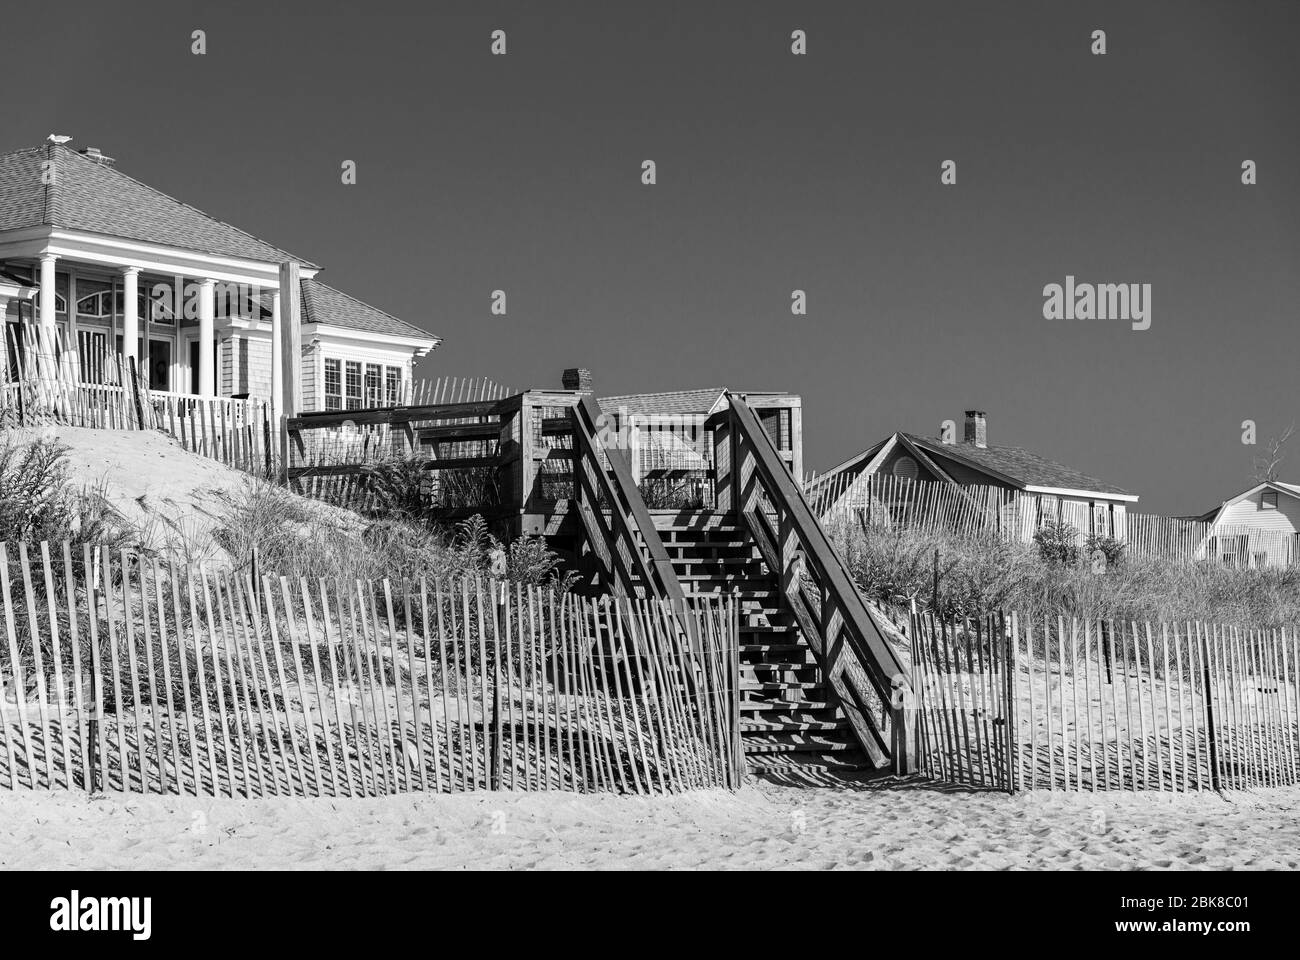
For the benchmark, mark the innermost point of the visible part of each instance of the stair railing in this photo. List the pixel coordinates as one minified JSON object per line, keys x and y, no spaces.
{"x":620,"y":558}
{"x":860,"y":665}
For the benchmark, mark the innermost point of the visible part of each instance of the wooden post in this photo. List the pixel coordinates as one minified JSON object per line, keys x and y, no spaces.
{"x":1209,"y":715}
{"x":289,"y":336}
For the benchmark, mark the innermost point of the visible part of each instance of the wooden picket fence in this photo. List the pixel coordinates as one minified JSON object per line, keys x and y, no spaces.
{"x":1096,"y":705}
{"x":238,"y":433}
{"x":45,"y":381}
{"x":129,"y":674}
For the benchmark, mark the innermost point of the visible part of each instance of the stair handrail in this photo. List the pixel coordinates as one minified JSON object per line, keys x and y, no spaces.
{"x":627,"y":509}
{"x":876,"y":655}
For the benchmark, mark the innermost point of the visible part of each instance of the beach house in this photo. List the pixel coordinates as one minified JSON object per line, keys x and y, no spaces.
{"x":94,"y":263}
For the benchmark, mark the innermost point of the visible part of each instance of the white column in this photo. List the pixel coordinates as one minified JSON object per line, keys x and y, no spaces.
{"x":48,"y":323}
{"x":277,"y":357}
{"x":130,"y":313}
{"x":207,"y":309}
{"x":68,"y":362}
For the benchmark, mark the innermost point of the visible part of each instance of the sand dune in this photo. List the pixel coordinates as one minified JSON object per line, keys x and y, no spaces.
{"x":762,"y":826}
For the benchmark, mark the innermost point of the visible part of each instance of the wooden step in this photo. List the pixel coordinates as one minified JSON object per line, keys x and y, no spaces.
{"x":786,"y":706}
{"x":792,"y":726}
{"x":778,"y":743}
{"x":774,"y":685}
{"x":776,"y":764}
{"x":773,"y":648}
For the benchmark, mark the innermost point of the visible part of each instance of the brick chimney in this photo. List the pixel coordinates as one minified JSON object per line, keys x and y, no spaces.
{"x":93,"y":153}
{"x":977,"y":428}
{"x":577,"y":378}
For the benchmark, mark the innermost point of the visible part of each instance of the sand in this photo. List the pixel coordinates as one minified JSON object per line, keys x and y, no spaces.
{"x":761,"y":826}
{"x":173,"y":497}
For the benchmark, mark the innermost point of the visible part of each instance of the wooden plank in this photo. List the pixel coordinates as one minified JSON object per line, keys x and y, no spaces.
{"x":513,"y":611}
{"x":155,"y":705}
{"x":111,"y":637}
{"x":442,"y":670}
{"x":268,"y":599}
{"x":581,"y":693}
{"x":651,"y":698}
{"x":359,"y":692}
{"x":388,"y":747}
{"x":600,"y":741}
{"x":403,"y":767}
{"x":238,"y":685}
{"x":218,"y":682}
{"x":345,"y":692}
{"x":483,"y":683}
{"x":78,"y":691}
{"x":1182,"y":716}
{"x":38,"y":670}
{"x":465,"y":683}
{"x":200,"y":680}
{"x":416,"y":724}
{"x":532,"y":737}
{"x":628,"y":738}
{"x":253,"y":688}
{"x":137,"y":713}
{"x":60,"y":689}
{"x":334,"y":642}
{"x":182,"y":659}
{"x":251,"y":606}
{"x":327,"y":734}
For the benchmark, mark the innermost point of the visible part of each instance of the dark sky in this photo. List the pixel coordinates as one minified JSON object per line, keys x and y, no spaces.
{"x":775,"y":172}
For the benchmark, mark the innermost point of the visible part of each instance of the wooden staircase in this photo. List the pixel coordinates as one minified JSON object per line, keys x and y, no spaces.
{"x":789,"y":721}
{"x":816,"y":672}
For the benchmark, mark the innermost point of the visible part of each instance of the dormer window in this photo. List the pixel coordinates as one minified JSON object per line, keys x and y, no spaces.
{"x":1269,"y":500}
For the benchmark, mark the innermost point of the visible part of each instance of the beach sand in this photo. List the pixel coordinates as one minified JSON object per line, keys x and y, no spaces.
{"x":761,"y":826}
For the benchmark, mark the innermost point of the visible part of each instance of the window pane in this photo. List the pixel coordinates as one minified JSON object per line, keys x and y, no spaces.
{"x":353,"y":383}
{"x":392,"y":385}
{"x":333,"y":385}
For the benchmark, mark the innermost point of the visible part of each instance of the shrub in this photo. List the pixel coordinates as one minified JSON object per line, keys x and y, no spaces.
{"x":1058,"y":543}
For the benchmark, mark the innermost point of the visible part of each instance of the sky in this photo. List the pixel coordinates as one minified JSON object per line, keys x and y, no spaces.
{"x":774,"y":173}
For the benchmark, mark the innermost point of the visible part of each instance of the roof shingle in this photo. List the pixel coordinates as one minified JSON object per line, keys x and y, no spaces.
{"x":321,"y":303}
{"x":1022,"y":466}
{"x":83,"y":194}
{"x":668,"y":403}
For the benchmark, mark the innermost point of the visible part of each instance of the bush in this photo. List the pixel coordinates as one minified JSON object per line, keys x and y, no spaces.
{"x":1058,"y":543}
{"x":1111,"y":550}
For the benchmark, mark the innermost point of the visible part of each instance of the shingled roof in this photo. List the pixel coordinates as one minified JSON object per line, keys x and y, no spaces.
{"x":668,"y":403}
{"x":1018,"y":465}
{"x":322,"y":303}
{"x":84,"y":194}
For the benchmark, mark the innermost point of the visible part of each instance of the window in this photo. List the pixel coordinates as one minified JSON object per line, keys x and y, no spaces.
{"x":104,"y":306}
{"x":905,"y":468}
{"x":353,"y":384}
{"x":333,"y":384}
{"x":1269,"y":500}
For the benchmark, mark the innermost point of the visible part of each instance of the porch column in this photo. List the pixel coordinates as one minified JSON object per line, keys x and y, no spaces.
{"x":130,"y":313}
{"x":277,"y":358}
{"x":48,"y":325}
{"x":68,"y":363}
{"x":207,"y":310}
